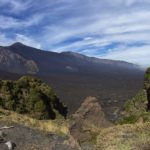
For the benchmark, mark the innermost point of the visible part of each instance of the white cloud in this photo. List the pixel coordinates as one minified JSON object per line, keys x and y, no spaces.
{"x":27,"y":41}
{"x":80,"y":45}
{"x":16,"y":6}
{"x":139,"y":55}
{"x":125,"y":29}
{"x":99,"y":26}
{"x":5,"y":41}
{"x":13,"y":23}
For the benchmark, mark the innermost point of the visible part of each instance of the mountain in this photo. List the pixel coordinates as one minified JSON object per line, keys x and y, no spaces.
{"x":74,"y":76}
{"x":15,"y":62}
{"x":33,"y":60}
{"x":88,"y":128}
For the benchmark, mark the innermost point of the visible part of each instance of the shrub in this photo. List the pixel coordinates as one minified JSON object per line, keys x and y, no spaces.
{"x":30,"y":96}
{"x":147,"y":79}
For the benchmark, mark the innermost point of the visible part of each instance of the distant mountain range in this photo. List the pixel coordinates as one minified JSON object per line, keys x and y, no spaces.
{"x":74,"y":76}
{"x":19,"y":58}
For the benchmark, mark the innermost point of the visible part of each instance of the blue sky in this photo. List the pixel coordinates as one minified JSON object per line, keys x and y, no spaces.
{"x":111,"y":29}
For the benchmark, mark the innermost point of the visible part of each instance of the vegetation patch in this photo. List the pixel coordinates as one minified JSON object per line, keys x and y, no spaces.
{"x":125,"y":137}
{"x":30,"y":96}
{"x":135,"y":109}
{"x":59,"y":126}
{"x":147,"y":79}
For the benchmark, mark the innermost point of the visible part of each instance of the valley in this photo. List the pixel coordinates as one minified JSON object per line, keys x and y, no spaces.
{"x":59,"y":108}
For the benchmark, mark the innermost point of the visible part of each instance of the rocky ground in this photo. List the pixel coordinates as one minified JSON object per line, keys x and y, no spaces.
{"x":81,"y":134}
{"x":24,"y":138}
{"x":88,"y":126}
{"x":86,"y":122}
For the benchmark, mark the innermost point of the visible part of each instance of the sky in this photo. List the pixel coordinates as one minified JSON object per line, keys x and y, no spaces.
{"x":109,"y":29}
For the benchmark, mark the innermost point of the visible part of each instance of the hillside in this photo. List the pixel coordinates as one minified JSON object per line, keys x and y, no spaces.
{"x":87,"y":129}
{"x":137,"y":108}
{"x":135,"y":131}
{"x":74,"y":76}
{"x":131,"y":132}
{"x":27,"y":133}
{"x":29,"y":95}
{"x":147,"y":86}
{"x":66,"y":62}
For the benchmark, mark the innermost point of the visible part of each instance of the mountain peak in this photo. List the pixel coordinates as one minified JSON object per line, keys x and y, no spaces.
{"x":18,"y":44}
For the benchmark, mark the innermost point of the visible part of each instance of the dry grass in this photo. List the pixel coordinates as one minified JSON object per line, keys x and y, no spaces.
{"x":58,"y":126}
{"x":125,"y":137}
{"x":119,"y":137}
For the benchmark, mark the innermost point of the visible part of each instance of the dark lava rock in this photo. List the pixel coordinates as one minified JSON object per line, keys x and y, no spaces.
{"x":91,"y":112}
{"x":28,"y":139}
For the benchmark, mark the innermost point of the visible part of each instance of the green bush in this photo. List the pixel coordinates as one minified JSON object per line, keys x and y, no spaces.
{"x":137,"y":104}
{"x":39,"y":106}
{"x":147,"y":79}
{"x":137,"y":107}
{"x":30,"y":96}
{"x":128,"y":120}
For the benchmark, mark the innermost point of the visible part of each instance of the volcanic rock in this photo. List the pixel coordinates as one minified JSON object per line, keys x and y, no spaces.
{"x":87,"y":118}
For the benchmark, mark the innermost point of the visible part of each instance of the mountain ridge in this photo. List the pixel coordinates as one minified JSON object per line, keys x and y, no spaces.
{"x":47,"y":62}
{"x":71,"y":53}
{"x":75,"y":77}
{"x":65,"y":52}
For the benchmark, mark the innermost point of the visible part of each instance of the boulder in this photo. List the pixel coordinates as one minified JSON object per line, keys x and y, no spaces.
{"x":91,"y":112}
{"x":10,"y":145}
{"x":86,"y":120}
